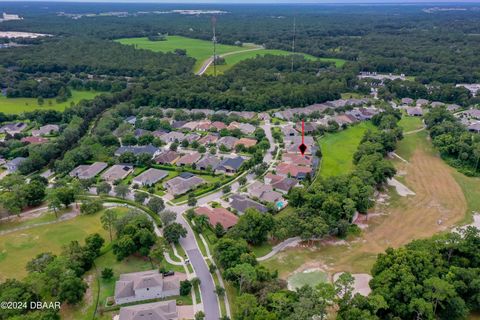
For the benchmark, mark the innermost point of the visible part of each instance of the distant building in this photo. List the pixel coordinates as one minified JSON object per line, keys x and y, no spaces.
{"x":414,"y":111}
{"x":230,"y":165}
{"x":150,"y":177}
{"x":46,"y":130}
{"x":13,"y":128}
{"x":208,"y":162}
{"x":86,"y":171}
{"x":137,"y":150}
{"x":117,"y":172}
{"x":167,"y":157}
{"x":13,"y":165}
{"x":34,"y":140}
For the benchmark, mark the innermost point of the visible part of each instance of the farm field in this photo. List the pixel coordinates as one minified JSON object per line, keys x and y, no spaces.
{"x":235,"y":58}
{"x":19,"y":105}
{"x":442,"y":198}
{"x":19,"y":247}
{"x":201,"y":50}
{"x":338,"y":149}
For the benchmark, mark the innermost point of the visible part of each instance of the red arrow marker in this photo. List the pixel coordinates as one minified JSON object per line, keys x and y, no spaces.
{"x":303,"y":147}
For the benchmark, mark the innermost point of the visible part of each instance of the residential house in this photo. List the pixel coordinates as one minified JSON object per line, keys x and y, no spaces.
{"x":188,"y":159}
{"x":284,"y":185}
{"x":474,"y":127}
{"x":131,"y":120}
{"x":150,"y":177}
{"x":173,"y":136}
{"x":219,"y":125}
{"x":246,"y":128}
{"x":474,"y":88}
{"x":292,"y":170}
{"x":192,"y":137}
{"x":289,"y":131}
{"x":207,"y":162}
{"x":162,"y":310}
{"x":247,"y":142}
{"x":13,"y":164}
{"x":204,"y":125}
{"x":228,"y":142}
{"x":146,"y":285}
{"x":437,"y":104}
{"x":210,"y":138}
{"x":242,"y":203}
{"x":159,"y":133}
{"x":183,"y":183}
{"x":414,"y":111}
{"x":141,"y":132}
{"x":138,"y":150}
{"x":34,"y":140}
{"x":13,"y":128}
{"x":117,"y":172}
{"x":45,"y":130}
{"x":191,"y":125}
{"x":453,"y":107}
{"x":473,"y":113}
{"x":344,"y":119}
{"x":298,"y":159}
{"x":230,"y":165}
{"x":86,"y":171}
{"x":308,"y":127}
{"x":264,"y":116}
{"x":220,"y":215}
{"x":271,"y":178}
{"x":422,"y":102}
{"x":264,"y":192}
{"x":407,"y":101}
{"x":292,"y":144}
{"x":178,"y":124}
{"x":167,"y":157}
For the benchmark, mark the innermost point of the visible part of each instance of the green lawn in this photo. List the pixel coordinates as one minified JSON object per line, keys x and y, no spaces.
{"x":19,"y":105}
{"x":233,"y":59}
{"x":311,"y":278}
{"x":410,"y":123}
{"x":201,"y":50}
{"x":338,"y":149}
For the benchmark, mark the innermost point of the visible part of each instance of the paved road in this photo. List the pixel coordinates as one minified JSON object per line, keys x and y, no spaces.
{"x":209,"y":61}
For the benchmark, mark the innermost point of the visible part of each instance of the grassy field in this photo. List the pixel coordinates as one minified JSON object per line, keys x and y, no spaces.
{"x":443,"y":197}
{"x":338,"y":149}
{"x":19,"y":105}
{"x":201,"y":50}
{"x":233,"y":59}
{"x":410,"y":123}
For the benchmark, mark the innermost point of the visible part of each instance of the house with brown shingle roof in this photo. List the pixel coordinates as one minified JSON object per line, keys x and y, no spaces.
{"x":247,"y":142}
{"x":219,"y":125}
{"x":208,"y":139}
{"x":34,"y":140}
{"x":188,"y":159}
{"x":218,"y":215}
{"x":298,"y":159}
{"x":167,"y":157}
{"x":297,"y":172}
{"x":162,"y":310}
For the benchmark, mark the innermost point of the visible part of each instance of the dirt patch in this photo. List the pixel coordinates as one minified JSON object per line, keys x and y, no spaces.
{"x":360,"y":285}
{"x":401,"y":189}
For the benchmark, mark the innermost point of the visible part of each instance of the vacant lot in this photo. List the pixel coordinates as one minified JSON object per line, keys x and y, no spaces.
{"x":17,"y":248}
{"x":410,"y":123}
{"x":338,"y":149}
{"x":235,"y":58}
{"x":201,"y":50}
{"x":440,"y":203}
{"x":19,"y":105}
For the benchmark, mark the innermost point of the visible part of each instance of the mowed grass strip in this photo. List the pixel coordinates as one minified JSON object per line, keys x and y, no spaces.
{"x":338,"y":149}
{"x":201,"y":50}
{"x":17,"y":248}
{"x":237,"y":57}
{"x":19,"y":105}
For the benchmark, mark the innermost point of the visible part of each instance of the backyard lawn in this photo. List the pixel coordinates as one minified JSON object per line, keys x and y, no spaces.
{"x":338,"y":149}
{"x":19,"y":105}
{"x":410,"y":123}
{"x":19,"y":247}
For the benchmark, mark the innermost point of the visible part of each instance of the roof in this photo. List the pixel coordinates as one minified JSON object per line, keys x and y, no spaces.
{"x":414,"y":111}
{"x":231,"y":163}
{"x":297,"y":159}
{"x":294,"y":170}
{"x":207,"y":161}
{"x":227,"y":141}
{"x":189,"y":158}
{"x":208,"y":139}
{"x":151,"y":176}
{"x":118,"y":171}
{"x":218,"y":215}
{"x":168,"y":156}
{"x":14,"y":163}
{"x":172,"y":136}
{"x":163,"y":310}
{"x":34,"y":140}
{"x":88,"y":171}
{"x":247,"y":142}
{"x":242,"y":203}
{"x":136,"y":150}
{"x":219,"y":125}
{"x":180,"y":185}
{"x":285,"y":184}
{"x":130,"y":282}
{"x":46,"y":129}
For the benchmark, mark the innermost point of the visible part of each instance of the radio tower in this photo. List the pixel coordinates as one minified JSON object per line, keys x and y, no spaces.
{"x":214,"y":39}
{"x":293,"y":39}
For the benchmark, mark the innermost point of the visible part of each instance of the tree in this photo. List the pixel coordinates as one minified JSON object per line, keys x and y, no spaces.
{"x":34,"y":192}
{"x":71,"y":290}
{"x":93,"y":244}
{"x":192,"y":201}
{"x":123,"y":247}
{"x":242,"y":181}
{"x":12,"y":203}
{"x":108,"y":219}
{"x":200,"y":315}
{"x":201,"y":222}
{"x":107,"y":273}
{"x":227,"y":189}
{"x":121,"y":190}
{"x":253,"y":226}
{"x":173,"y":232}
{"x":242,"y":275}
{"x":185,"y":287}
{"x":90,"y":206}
{"x":53,"y":202}
{"x":167,"y":217}
{"x":219,"y":230}
{"x":228,"y":251}
{"x":195,"y":281}
{"x":156,"y":204}
{"x":103,"y":188}
{"x":220,"y":291}
{"x":140,"y":197}
{"x":174,"y":146}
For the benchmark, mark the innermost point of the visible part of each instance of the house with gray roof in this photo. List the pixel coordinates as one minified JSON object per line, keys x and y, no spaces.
{"x":183,"y":184}
{"x":86,"y":171}
{"x":242,"y":203}
{"x":414,"y":111}
{"x":162,"y":310}
{"x":13,"y":165}
{"x":208,"y":162}
{"x":188,"y":159}
{"x":228,"y":142}
{"x":13,"y":128}
{"x":131,"y":120}
{"x":230,"y":165}
{"x":407,"y":100}
{"x":150,"y":177}
{"x":145,"y":285}
{"x":474,"y":127}
{"x":167,"y":157}
{"x":45,"y":130}
{"x":117,"y":172}
{"x":172,"y":136}
{"x":285,"y":184}
{"x":138,"y":150}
